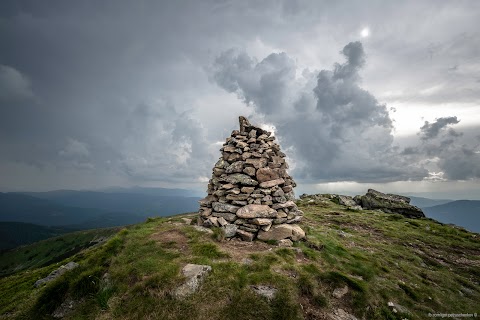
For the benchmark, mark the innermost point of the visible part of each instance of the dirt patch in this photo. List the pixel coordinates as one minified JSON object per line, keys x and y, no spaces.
{"x":240,"y":250}
{"x":172,"y":239}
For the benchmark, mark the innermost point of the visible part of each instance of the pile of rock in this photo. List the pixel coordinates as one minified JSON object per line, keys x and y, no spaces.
{"x":389,"y":203}
{"x":251,"y":194}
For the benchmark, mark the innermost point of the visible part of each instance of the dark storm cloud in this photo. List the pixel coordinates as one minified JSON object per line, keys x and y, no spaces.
{"x":264,"y":83}
{"x":336,"y":129}
{"x":93,"y":94}
{"x":431,"y":130}
{"x":450,"y":154}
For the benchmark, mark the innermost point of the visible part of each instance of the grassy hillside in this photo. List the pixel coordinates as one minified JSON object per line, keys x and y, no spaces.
{"x":419,"y":265}
{"x":49,"y":251}
{"x":13,"y":234}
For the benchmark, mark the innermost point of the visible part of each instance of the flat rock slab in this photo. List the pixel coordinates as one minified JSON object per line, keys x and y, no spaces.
{"x":256,"y":211}
{"x":265,"y":291}
{"x":56,"y":273}
{"x":195,"y":274}
{"x":341,"y":314}
{"x":202,"y":229}
{"x":282,"y":231}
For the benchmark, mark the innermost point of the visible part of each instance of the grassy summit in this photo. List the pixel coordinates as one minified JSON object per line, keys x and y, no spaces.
{"x":357,"y":261}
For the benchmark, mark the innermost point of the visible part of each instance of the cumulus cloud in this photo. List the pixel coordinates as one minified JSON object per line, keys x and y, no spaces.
{"x":447,"y":153}
{"x":162,"y":144}
{"x":335,"y":129}
{"x":75,"y":148}
{"x":431,"y":130}
{"x":13,"y":84}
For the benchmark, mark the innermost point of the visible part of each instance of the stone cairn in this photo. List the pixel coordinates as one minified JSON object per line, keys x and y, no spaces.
{"x":251,"y":194}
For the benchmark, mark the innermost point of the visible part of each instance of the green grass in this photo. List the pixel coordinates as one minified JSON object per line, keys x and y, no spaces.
{"x":419,"y":264}
{"x":46,"y":252}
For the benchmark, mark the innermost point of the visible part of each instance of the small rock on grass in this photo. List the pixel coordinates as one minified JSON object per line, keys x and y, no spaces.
{"x":203,"y":229}
{"x":195,"y":274}
{"x":341,"y":314}
{"x":285,"y":243}
{"x":265,"y":291}
{"x":340,"y":292}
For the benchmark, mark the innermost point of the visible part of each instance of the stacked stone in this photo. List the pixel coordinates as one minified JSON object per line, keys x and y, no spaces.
{"x":251,"y":194}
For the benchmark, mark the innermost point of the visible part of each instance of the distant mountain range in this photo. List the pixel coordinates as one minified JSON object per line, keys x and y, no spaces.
{"x":426,"y":202}
{"x":39,"y":215}
{"x":79,"y":210}
{"x":464,"y":213}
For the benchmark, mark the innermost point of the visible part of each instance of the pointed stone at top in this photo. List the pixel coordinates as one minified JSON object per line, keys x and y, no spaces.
{"x":244,"y":123}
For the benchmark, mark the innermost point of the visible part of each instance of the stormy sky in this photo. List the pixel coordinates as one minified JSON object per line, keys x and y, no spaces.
{"x":359,"y":93}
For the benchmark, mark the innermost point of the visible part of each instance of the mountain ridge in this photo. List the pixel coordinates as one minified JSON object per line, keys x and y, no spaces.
{"x":355,"y":263}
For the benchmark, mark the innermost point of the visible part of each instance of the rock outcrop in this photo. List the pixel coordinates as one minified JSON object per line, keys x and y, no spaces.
{"x":56,"y":273}
{"x":389,"y":203}
{"x":250,"y":190}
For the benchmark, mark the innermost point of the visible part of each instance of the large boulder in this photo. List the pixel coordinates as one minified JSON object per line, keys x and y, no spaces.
{"x":389,"y":203}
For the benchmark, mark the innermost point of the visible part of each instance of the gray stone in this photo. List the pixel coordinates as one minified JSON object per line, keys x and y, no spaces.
{"x":218,"y":172}
{"x":265,"y":291}
{"x":203,"y":229}
{"x":397,"y":308}
{"x":240,"y":202}
{"x":280,"y":199}
{"x":221,"y":164}
{"x":256,"y":211}
{"x":187,"y":220}
{"x":230,"y":230}
{"x":205,"y":212}
{"x":262,"y":221}
{"x":221,"y":221}
{"x":285,"y":243}
{"x":282,"y":231}
{"x":297,"y":219}
{"x":230,"y":217}
{"x":239,"y":178}
{"x":288,"y":204}
{"x":279,"y":220}
{"x":346,"y":201}
{"x":248,"y":190}
{"x":224,"y":207}
{"x":235,"y":167}
{"x":245,"y":235}
{"x":390,"y":203}
{"x":340,"y":292}
{"x":340,"y":314}
{"x":258,"y":162}
{"x":207,"y":201}
{"x":238,"y":197}
{"x":278,"y":193}
{"x":56,"y":273}
{"x":266,"y":174}
{"x":66,"y":308}
{"x":249,"y":170}
{"x":272,"y":183}
{"x":233,"y":191}
{"x":195,"y":275}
